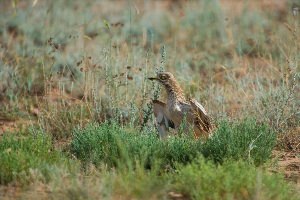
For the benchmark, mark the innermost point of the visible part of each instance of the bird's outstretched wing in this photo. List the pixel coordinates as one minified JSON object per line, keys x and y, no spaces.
{"x":201,"y":118}
{"x":163,"y":122}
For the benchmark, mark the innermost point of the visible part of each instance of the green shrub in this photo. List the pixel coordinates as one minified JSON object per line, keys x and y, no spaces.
{"x":247,"y":140}
{"x":138,"y":183}
{"x":231,"y":180}
{"x":112,"y":145}
{"x":95,"y":144}
{"x":201,"y":179}
{"x":21,"y":157}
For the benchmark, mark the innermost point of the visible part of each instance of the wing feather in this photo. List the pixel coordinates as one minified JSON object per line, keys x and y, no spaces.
{"x":163,"y":123}
{"x":200,"y":114}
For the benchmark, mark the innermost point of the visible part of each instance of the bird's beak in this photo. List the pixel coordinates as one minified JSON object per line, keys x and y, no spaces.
{"x":153,"y":78}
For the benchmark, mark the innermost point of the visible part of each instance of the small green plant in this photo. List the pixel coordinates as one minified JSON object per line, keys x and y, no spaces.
{"x":247,"y":140}
{"x":203,"y":179}
{"x":139,"y":183}
{"x":23,"y":158}
{"x":112,"y":145}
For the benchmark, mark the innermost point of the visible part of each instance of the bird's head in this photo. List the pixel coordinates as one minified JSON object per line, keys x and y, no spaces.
{"x":169,"y":82}
{"x":165,"y":78}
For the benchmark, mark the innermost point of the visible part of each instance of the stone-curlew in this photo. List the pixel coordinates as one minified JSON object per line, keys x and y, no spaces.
{"x":177,"y":109}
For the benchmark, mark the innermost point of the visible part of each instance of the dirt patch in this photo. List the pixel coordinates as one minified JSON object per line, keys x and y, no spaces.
{"x":7,"y":126}
{"x":33,"y":191}
{"x":288,"y":163}
{"x":290,"y":140}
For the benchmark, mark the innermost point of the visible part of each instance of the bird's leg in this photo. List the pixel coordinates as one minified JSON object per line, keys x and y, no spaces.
{"x":162,"y":128}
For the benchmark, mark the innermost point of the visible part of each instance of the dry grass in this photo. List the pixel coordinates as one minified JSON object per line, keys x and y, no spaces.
{"x":64,"y":64}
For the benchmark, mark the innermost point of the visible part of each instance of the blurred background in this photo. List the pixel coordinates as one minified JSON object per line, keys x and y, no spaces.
{"x":82,"y":61}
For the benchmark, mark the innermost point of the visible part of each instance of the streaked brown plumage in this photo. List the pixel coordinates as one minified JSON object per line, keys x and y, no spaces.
{"x":172,"y":113}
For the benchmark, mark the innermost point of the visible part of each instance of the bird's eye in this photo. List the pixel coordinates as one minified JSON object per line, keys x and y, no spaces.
{"x":163,"y":77}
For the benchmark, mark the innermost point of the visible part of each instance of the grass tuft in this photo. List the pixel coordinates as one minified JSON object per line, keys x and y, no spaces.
{"x":247,"y":140}
{"x":113,"y":146}
{"x":233,"y":180}
{"x":23,"y":158}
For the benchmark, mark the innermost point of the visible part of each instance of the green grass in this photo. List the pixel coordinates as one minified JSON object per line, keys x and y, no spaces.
{"x":114,"y":146}
{"x":246,"y":140}
{"x":140,"y":166}
{"x":24,"y":158}
{"x":111,"y":145}
{"x":201,"y":179}
{"x":232,"y":180}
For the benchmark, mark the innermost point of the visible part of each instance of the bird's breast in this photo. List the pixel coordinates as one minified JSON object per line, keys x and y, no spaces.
{"x":173,"y":107}
{"x":174,"y":113}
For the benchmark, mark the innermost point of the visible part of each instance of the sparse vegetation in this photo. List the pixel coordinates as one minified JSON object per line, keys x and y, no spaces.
{"x":246,"y":140}
{"x":24,"y":158}
{"x":110,"y":145}
{"x":234,"y":180}
{"x":75,"y":114}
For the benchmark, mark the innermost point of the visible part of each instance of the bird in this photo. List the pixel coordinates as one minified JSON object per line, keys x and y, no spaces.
{"x":178,"y":109}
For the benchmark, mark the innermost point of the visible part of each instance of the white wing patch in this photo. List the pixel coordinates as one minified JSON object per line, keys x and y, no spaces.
{"x":177,"y":107}
{"x":162,"y":121}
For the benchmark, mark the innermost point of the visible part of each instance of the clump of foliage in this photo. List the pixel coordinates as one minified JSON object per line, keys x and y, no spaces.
{"x":114,"y":146}
{"x":22,"y":158}
{"x":203,"y":179}
{"x":111,"y":145}
{"x":247,"y":140}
